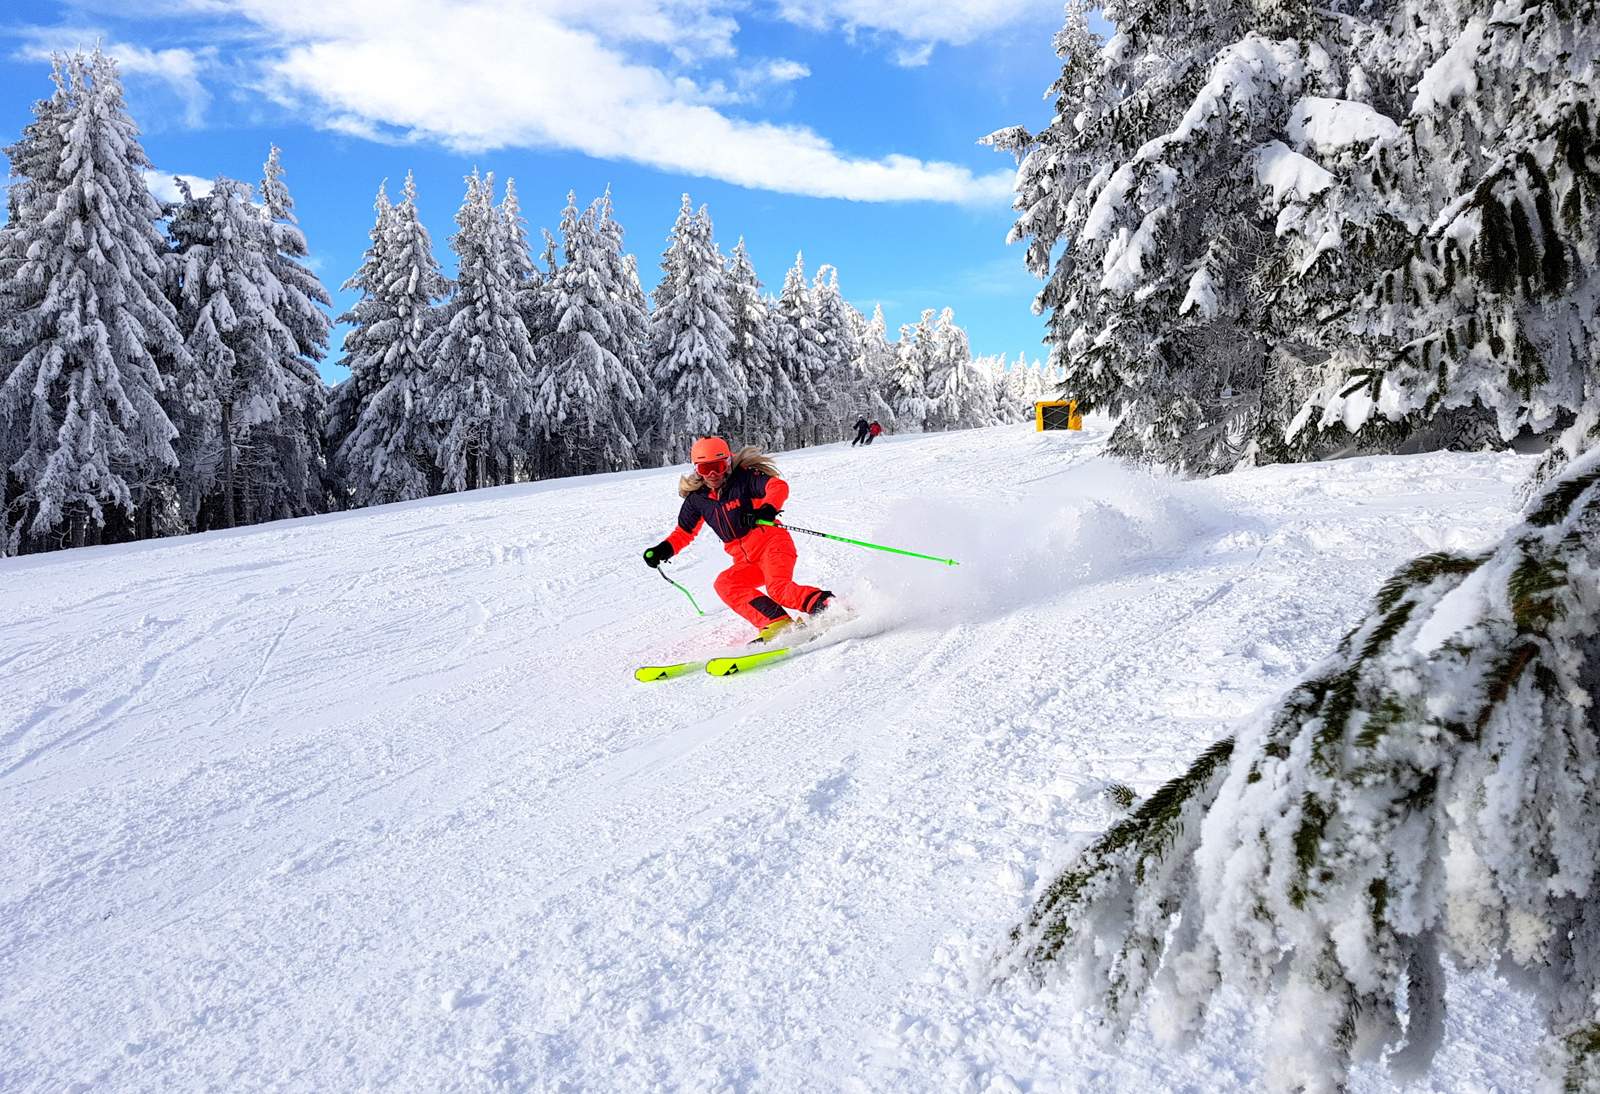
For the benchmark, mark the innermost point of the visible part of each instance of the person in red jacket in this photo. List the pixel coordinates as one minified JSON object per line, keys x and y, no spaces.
{"x":732,"y":492}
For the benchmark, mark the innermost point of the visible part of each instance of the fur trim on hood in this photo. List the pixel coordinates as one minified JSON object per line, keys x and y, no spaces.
{"x":750,"y":456}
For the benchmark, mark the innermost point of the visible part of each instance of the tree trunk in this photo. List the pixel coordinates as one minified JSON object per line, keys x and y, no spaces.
{"x":247,"y":500}
{"x":227,"y":466}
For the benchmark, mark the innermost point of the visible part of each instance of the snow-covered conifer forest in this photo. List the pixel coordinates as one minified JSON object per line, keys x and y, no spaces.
{"x":159,"y":362}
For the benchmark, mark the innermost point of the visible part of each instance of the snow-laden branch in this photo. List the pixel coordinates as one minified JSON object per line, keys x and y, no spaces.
{"x":1430,"y":792}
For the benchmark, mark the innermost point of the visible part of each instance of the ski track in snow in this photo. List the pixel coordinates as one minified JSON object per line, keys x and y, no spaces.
{"x":372,"y":800}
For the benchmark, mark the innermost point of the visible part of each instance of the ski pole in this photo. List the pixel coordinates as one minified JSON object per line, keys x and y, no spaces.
{"x":681,"y":589}
{"x":861,"y":543}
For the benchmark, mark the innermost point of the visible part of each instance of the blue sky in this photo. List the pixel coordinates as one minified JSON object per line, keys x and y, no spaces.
{"x":842,"y":128}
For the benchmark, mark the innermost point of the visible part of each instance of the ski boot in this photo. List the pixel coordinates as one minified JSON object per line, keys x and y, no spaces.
{"x":772,"y":630}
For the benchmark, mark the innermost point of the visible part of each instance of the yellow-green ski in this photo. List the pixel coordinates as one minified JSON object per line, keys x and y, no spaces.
{"x":727,"y":666}
{"x":649,"y":673}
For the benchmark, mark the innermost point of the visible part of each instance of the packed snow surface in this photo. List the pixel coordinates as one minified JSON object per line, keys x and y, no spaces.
{"x":372,"y":800}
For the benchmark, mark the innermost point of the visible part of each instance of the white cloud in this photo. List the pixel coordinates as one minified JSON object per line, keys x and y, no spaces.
{"x":784,"y":71}
{"x":692,"y":29}
{"x":177,"y":68}
{"x":753,"y":82}
{"x":914,"y":56}
{"x":918,"y":25}
{"x":164,"y":185}
{"x":488,"y":74}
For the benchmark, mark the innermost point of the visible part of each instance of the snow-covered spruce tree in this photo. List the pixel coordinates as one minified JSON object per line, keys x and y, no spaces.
{"x":589,"y":394}
{"x":85,"y":319}
{"x":914,"y":358}
{"x":801,"y":352}
{"x":538,"y":304}
{"x":874,"y":366}
{"x":771,"y":405}
{"x":286,"y":461}
{"x":34,"y":159}
{"x":1414,"y":262}
{"x":1002,"y":409}
{"x":694,"y":379}
{"x":380,"y":429}
{"x":1043,"y":382}
{"x":839,"y":332}
{"x":1013,"y":397}
{"x":247,"y":381}
{"x":1430,"y":792}
{"x":978,"y":391}
{"x":530,"y":278}
{"x":948,"y":380}
{"x":1152,"y":171}
{"x":1460,"y":221}
{"x":526,"y":274}
{"x":1035,"y":383}
{"x":531,"y":295}
{"x":479,"y":383}
{"x":982,"y":374}
{"x":877,"y":366}
{"x":630,"y":326}
{"x":997,"y":377}
{"x":361,"y":356}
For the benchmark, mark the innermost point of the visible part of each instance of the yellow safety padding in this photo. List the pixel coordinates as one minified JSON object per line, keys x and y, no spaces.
{"x":1074,"y":420}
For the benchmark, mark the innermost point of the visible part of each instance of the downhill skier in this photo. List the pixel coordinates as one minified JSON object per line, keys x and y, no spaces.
{"x":733,"y":492}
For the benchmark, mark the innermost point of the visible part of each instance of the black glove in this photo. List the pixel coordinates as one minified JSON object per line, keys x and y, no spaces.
{"x":658,"y":554}
{"x":763,"y":512}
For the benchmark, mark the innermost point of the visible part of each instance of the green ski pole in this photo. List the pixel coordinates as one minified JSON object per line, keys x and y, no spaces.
{"x":861,"y":543}
{"x":681,"y":589}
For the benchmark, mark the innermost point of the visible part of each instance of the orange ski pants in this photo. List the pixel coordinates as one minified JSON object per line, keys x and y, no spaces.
{"x":763,"y":556}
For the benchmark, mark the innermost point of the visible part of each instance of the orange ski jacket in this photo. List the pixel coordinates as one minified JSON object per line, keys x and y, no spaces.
{"x":742,"y":491}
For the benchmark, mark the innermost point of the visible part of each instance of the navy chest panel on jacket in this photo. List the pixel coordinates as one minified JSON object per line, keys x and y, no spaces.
{"x":740,"y":490}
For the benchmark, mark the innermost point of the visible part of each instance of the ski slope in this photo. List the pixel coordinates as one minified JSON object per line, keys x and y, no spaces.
{"x":372,"y":800}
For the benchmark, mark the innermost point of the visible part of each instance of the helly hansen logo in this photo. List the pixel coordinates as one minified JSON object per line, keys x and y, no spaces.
{"x":730,"y":505}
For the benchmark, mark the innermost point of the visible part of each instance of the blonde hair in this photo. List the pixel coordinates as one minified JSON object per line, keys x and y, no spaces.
{"x":750,"y":456}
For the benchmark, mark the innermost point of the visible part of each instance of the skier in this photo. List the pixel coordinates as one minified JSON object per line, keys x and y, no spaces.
{"x":872,"y":432}
{"x":861,"y":432}
{"x":731,"y":492}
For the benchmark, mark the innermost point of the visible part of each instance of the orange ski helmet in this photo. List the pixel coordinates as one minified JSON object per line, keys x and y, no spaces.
{"x":710,"y":450}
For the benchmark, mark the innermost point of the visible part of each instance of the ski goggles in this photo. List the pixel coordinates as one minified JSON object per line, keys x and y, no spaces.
{"x":711,"y":467}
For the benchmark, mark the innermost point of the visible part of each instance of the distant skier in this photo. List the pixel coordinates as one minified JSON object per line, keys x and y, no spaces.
{"x":731,"y":492}
{"x":872,"y":432}
{"x":862,"y":429}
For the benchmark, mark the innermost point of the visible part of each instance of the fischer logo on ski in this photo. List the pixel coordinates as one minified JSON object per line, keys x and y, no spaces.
{"x":728,"y":666}
{"x":650,"y":673}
